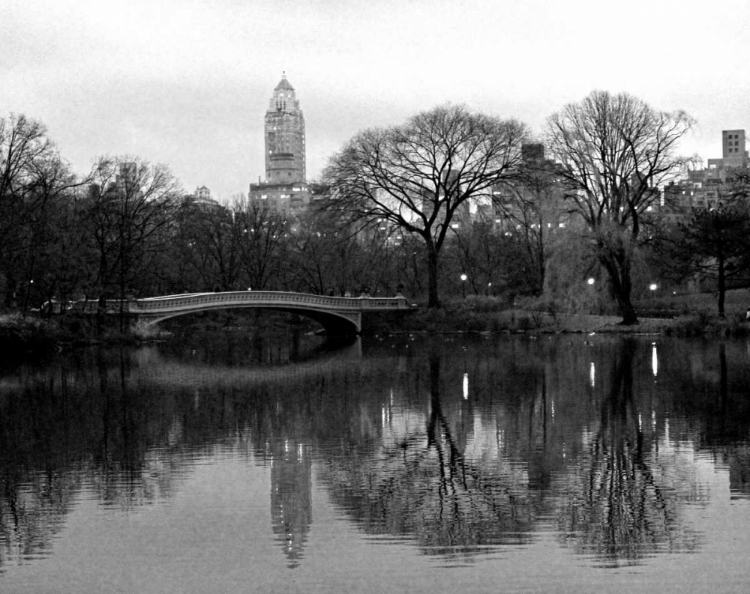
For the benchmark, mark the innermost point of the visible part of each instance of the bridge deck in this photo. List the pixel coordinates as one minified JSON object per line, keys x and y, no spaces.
{"x":266,"y":298}
{"x":335,"y":313}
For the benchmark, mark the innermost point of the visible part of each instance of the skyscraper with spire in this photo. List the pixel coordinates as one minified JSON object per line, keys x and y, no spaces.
{"x":285,"y":188}
{"x":285,"y":136}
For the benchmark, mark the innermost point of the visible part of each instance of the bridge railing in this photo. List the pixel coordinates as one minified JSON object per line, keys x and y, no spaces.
{"x":169,"y":303}
{"x":268,"y":298}
{"x":111,"y":306}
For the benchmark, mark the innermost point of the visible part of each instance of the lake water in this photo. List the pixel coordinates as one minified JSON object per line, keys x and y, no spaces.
{"x":220,"y":463}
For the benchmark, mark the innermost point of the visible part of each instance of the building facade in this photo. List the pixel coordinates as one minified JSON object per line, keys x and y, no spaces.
{"x":707,"y":187}
{"x":285,"y":188}
{"x":284,"y":136}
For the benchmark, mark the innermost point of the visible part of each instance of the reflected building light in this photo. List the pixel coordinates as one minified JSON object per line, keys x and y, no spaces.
{"x":385,"y":416}
{"x":640,"y":422}
{"x":592,"y":375}
{"x":552,"y":410}
{"x":286,"y":445}
{"x":654,"y":359}
{"x":653,"y":419}
{"x":500,"y":438}
{"x":466,"y":386}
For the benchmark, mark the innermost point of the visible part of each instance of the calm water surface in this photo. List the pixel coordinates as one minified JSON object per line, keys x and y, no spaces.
{"x":216,"y":463}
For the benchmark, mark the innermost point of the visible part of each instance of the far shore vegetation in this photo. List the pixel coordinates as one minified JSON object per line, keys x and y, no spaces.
{"x":686,"y":315}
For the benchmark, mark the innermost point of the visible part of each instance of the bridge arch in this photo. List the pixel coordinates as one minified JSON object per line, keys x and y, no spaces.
{"x":337,"y":315}
{"x":334,"y":324}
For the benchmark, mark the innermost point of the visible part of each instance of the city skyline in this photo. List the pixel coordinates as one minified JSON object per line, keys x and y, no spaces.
{"x":187,"y":85}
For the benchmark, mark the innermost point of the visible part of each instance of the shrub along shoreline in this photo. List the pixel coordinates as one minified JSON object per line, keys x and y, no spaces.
{"x":21,"y":336}
{"x":452,"y":319}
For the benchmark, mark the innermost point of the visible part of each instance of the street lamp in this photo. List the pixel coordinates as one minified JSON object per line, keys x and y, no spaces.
{"x":590,"y":281}
{"x":463,"y":285}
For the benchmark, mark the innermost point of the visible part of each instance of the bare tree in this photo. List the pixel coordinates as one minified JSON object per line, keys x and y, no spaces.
{"x":419,"y":175}
{"x":213,"y":246}
{"x":534,"y":210}
{"x":32,"y":177}
{"x":311,"y":255}
{"x":260,"y":236}
{"x":713,"y":243}
{"x":616,"y":151}
{"x":482,"y":253}
{"x":128,"y":208}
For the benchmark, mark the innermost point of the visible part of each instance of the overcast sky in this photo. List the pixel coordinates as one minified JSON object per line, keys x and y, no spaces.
{"x":187,"y":82}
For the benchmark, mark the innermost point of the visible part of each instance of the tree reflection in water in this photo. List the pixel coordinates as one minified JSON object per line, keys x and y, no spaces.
{"x":422,"y":485}
{"x":393,"y":439}
{"x":619,"y":501}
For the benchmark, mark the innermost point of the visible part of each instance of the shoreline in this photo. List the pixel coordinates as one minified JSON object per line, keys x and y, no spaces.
{"x":22,"y":337}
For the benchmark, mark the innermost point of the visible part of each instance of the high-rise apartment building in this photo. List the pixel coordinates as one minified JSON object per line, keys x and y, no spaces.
{"x":733,"y":148}
{"x":285,"y":136}
{"x":284,"y":189}
{"x":733,"y":155}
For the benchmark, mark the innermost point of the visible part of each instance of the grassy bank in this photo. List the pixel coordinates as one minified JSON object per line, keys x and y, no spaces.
{"x":23,"y":336}
{"x":485,"y":314}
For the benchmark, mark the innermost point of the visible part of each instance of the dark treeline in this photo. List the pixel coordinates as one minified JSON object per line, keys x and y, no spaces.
{"x":451,"y":203}
{"x":127,"y":229}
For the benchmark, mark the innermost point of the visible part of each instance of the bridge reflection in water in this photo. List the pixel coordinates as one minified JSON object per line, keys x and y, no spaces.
{"x":338,"y":315}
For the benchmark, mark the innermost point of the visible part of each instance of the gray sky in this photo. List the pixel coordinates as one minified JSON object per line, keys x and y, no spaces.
{"x":187,"y":82}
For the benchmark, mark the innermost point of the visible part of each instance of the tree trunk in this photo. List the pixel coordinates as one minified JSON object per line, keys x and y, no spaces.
{"x":619,"y":274}
{"x":722,"y":285}
{"x":627,"y":311}
{"x":432,"y":272}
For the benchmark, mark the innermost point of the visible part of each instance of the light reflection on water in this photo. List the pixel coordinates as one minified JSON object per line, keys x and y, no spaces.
{"x":555,"y":464}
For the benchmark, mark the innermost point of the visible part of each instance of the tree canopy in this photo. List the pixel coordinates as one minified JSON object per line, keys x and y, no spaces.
{"x":616,"y":151}
{"x":419,"y":175}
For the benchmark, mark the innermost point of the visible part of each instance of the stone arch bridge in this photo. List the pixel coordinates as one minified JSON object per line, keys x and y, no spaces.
{"x":338,"y":315}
